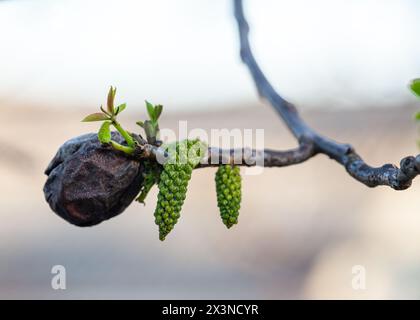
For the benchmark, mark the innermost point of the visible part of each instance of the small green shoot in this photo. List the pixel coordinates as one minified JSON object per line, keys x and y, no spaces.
{"x":104,"y":134}
{"x":109,"y":116}
{"x":415,"y":87}
{"x":151,"y":126}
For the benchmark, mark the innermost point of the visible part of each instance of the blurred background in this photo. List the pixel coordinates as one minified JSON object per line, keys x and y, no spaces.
{"x":346,"y":64}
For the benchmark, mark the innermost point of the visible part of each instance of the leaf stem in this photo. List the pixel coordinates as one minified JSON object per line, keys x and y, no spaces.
{"x":120,"y":147}
{"x":128,"y":138}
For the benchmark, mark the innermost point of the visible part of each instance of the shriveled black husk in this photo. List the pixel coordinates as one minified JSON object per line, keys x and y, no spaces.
{"x":89,"y":183}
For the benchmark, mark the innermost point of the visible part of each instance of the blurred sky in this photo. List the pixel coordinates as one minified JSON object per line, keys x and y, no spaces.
{"x":184,"y":54}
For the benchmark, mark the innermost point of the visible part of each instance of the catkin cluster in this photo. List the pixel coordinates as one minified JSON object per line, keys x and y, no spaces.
{"x":228,"y":188}
{"x":173,"y":183}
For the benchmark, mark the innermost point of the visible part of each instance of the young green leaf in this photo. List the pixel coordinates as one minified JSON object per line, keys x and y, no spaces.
{"x":151,"y":111}
{"x":158,"y":110}
{"x":95,"y":117}
{"x":110,"y":101}
{"x":140,"y":123}
{"x":415,"y":87}
{"x":120,"y":108}
{"x":104,"y":134}
{"x":150,"y":130}
{"x":417,"y":115}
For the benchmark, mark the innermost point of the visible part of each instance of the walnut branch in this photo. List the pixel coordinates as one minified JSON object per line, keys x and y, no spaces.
{"x":249,"y":157}
{"x":241,"y":157}
{"x":310,"y":142}
{"x":388,"y":174}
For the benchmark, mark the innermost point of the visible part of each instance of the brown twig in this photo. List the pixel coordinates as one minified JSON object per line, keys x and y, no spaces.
{"x":388,"y":174}
{"x":310,"y":142}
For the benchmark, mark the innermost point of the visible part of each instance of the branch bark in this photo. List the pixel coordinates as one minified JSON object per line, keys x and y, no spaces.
{"x":241,"y":157}
{"x":250,"y":157}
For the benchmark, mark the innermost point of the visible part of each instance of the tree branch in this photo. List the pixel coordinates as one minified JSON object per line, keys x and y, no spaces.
{"x":344,"y":154}
{"x":241,"y":157}
{"x":310,"y":142}
{"x":266,"y":157}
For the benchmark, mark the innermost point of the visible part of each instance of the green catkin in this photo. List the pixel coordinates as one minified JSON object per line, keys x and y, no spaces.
{"x":228,"y":188}
{"x":173,"y":183}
